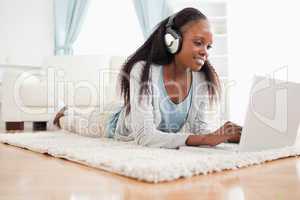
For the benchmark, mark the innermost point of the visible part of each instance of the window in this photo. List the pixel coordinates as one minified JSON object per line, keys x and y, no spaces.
{"x":110,"y":28}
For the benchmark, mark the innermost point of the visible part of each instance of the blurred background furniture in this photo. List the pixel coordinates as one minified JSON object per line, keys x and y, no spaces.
{"x":33,"y":93}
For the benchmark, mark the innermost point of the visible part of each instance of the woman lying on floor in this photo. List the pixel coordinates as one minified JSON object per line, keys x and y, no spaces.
{"x":169,"y":90}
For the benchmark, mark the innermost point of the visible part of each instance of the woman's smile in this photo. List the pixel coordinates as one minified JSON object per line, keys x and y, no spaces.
{"x":200,"y":61}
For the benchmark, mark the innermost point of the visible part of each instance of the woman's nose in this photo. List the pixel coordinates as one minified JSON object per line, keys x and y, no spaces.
{"x":204,"y":52}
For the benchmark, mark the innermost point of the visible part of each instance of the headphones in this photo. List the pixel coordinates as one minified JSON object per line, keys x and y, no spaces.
{"x":173,"y":38}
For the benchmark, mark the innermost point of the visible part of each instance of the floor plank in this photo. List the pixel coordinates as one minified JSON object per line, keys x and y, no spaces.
{"x":29,"y":175}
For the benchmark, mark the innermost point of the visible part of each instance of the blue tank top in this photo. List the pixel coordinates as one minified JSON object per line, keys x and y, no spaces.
{"x":173,"y":116}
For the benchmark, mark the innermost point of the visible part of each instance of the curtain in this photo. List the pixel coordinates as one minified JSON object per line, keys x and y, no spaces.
{"x":150,"y":13}
{"x":68,"y":17}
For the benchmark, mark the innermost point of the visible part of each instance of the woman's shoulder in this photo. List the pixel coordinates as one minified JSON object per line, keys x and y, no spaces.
{"x":200,"y":82}
{"x":200,"y":76}
{"x":138,"y":68}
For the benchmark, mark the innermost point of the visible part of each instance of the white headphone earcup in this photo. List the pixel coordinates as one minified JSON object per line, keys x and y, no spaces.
{"x":169,"y":39}
{"x":171,"y":43}
{"x":174,"y":47}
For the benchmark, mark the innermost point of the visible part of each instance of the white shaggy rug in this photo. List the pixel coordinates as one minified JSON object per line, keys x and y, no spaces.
{"x":142,"y":163}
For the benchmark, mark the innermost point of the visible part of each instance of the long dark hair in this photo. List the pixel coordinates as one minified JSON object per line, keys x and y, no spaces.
{"x":154,"y":51}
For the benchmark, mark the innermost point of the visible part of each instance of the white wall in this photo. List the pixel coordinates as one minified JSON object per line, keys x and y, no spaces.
{"x":264,"y":37}
{"x":26,"y":31}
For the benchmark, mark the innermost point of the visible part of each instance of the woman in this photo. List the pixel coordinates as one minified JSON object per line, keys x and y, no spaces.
{"x":169,"y":88}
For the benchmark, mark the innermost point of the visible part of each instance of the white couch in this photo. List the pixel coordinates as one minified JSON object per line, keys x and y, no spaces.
{"x":84,"y":82}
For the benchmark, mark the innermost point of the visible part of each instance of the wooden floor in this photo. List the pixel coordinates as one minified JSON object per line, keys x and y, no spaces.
{"x":29,"y":175}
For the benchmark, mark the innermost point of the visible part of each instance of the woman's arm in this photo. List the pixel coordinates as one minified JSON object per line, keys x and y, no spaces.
{"x":228,"y":132}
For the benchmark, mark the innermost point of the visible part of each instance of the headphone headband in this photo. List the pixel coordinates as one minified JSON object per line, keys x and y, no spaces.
{"x":171,"y":21}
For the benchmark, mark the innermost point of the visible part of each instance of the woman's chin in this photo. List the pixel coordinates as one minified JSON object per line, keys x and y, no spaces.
{"x":197,"y":68}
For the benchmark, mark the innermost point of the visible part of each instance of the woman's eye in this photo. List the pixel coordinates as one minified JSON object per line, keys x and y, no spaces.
{"x":198,"y":43}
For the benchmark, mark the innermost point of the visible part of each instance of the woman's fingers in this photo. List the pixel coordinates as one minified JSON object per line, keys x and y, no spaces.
{"x":229,"y":123}
{"x":228,"y":132}
{"x":235,"y":138}
{"x":230,"y":127}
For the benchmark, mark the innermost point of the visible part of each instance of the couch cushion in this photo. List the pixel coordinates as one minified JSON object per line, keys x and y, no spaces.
{"x":76,"y":80}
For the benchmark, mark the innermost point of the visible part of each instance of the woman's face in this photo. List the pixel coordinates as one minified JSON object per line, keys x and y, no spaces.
{"x":197,"y":40}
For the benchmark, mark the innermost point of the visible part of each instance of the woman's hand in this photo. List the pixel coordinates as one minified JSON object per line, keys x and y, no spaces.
{"x":231,"y":129}
{"x":228,"y":132}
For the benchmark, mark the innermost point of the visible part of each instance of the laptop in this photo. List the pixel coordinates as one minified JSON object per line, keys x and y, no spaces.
{"x":272,"y":117}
